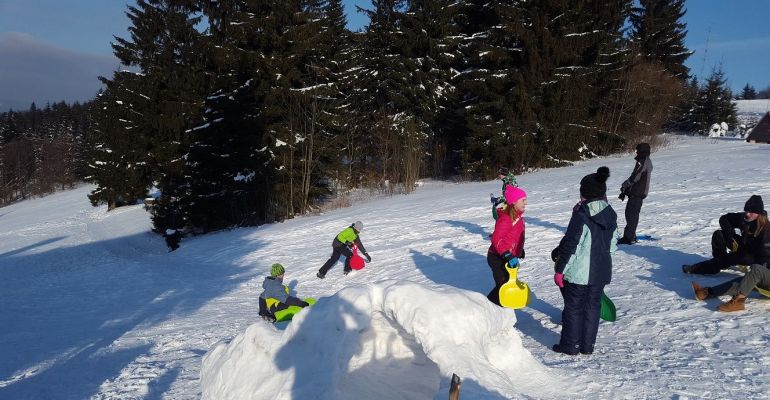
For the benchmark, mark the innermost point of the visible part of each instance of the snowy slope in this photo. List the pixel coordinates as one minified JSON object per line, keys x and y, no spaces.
{"x":93,"y":306}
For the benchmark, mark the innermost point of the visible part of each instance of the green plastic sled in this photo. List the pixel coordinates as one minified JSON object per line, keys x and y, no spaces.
{"x":608,"y":312}
{"x":288,"y":313}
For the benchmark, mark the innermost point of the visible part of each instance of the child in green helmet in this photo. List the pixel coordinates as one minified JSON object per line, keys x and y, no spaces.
{"x":276,"y":296}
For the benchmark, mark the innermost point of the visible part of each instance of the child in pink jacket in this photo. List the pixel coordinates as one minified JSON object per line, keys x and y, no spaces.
{"x":507,"y":239}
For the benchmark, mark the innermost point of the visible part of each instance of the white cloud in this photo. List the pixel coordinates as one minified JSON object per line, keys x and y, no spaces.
{"x":34,"y":70}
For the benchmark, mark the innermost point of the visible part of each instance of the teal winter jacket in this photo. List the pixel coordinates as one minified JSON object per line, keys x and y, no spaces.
{"x":585,"y":252}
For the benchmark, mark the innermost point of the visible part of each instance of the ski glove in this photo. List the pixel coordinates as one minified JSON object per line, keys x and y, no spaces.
{"x":368,"y":257}
{"x":558,"y":279}
{"x":510,"y":259}
{"x":555,"y":255}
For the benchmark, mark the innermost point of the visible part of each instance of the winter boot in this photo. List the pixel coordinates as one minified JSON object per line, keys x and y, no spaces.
{"x":737,"y":303}
{"x":570,"y":351}
{"x":625,"y":240}
{"x":687,"y":268}
{"x":701,"y":293}
{"x":587,"y":349}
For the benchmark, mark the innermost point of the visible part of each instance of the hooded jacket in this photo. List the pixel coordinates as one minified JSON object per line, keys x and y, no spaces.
{"x":585,"y":252}
{"x":638,"y":184}
{"x":274,"y":289}
{"x":507,"y":235}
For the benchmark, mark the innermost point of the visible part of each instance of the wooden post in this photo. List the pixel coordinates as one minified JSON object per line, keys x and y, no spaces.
{"x":454,"y":388}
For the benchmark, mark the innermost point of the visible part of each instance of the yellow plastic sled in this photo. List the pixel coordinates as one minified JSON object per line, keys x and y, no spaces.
{"x":762,"y":291}
{"x":514,"y":293}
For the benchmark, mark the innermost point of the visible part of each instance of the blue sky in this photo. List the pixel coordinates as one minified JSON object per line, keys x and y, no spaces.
{"x":52,"y":50}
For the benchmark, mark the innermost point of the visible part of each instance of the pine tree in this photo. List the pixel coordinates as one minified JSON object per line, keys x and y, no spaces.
{"x":748,"y":93}
{"x":390,"y":132}
{"x":155,"y":107}
{"x":118,"y":158}
{"x":658,"y":32}
{"x":229,"y":181}
{"x":714,"y":104}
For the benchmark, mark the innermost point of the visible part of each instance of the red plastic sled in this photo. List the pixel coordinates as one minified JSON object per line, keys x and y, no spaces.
{"x":356,"y":261}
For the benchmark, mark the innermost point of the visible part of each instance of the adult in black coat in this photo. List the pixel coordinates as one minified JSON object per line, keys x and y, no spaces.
{"x":636,"y":188}
{"x":749,"y":245}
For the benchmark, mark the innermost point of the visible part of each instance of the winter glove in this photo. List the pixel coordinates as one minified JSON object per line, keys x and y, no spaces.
{"x":555,"y":255}
{"x":622,"y":196}
{"x":368,"y":257}
{"x":558,"y":279}
{"x":349,"y":244}
{"x":510,"y":259}
{"x":733,"y":246}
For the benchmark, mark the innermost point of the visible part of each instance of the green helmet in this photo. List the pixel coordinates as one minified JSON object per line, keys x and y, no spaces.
{"x":276,"y":269}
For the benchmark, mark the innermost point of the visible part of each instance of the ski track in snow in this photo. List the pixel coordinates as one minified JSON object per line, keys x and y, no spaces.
{"x":93,"y":306}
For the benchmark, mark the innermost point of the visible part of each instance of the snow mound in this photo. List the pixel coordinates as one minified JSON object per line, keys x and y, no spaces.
{"x":392,"y":339}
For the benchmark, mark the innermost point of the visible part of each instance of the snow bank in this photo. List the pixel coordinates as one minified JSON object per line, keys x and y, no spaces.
{"x":393,"y":339}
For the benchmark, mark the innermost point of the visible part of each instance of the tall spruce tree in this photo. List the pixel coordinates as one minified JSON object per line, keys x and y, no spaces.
{"x":714,"y":104}
{"x":748,"y":92}
{"x":229,"y":181}
{"x":118,"y":159}
{"x":658,"y":34}
{"x":163,"y":99}
{"x":311,"y":40}
{"x":390,"y":132}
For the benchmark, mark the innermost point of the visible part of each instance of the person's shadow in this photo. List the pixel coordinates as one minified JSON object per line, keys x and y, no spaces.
{"x":469,"y":227}
{"x":469,"y":271}
{"x":666,"y":271}
{"x":68,"y":336}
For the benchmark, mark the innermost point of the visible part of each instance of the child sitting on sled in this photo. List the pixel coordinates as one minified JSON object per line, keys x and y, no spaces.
{"x":276,"y":296}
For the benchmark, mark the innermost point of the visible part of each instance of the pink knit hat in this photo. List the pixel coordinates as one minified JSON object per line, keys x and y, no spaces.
{"x":514,"y":194}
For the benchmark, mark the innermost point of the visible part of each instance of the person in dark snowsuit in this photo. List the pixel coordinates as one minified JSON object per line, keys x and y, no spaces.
{"x":636,"y":188}
{"x":275,"y":296}
{"x":342,"y":245}
{"x":748,"y":246}
{"x":583,"y":264}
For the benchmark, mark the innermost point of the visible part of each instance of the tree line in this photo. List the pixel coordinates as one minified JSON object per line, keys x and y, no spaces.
{"x":242,"y":112}
{"x":43,"y":150}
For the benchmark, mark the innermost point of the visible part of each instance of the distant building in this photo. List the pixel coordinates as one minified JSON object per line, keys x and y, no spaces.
{"x":761,"y":132}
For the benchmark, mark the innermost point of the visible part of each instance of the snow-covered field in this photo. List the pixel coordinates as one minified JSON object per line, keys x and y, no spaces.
{"x":93,"y":306}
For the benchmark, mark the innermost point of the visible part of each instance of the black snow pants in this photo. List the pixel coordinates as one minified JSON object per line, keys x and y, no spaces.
{"x":580,"y":318}
{"x":338,"y":250}
{"x":499,"y":274}
{"x":722,"y":259}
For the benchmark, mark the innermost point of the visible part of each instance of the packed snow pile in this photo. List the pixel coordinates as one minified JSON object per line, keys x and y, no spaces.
{"x":393,"y":339}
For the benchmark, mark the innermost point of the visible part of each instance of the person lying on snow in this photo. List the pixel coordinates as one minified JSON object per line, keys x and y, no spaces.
{"x":583,"y":264}
{"x":276,"y":296}
{"x":750,"y":246}
{"x":343,"y":245}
